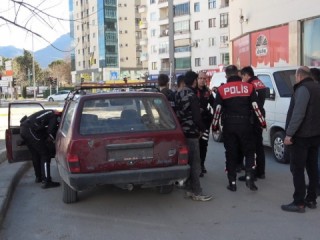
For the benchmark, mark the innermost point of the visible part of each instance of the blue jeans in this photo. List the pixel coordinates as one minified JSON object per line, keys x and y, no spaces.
{"x":193,"y":182}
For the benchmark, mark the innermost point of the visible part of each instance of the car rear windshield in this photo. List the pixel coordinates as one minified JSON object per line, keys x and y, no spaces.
{"x":124,"y":114}
{"x":285,"y":81}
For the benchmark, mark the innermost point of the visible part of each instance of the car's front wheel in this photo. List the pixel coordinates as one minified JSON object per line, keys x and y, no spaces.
{"x":68,"y":194}
{"x":278,"y":147}
{"x":51,"y":100}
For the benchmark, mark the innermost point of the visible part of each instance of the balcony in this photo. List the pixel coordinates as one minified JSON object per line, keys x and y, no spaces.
{"x":143,"y":25}
{"x":163,"y":3}
{"x":143,"y":42}
{"x":142,"y":9}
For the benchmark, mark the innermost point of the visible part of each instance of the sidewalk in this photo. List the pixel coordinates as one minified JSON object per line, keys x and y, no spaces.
{"x":10,"y":175}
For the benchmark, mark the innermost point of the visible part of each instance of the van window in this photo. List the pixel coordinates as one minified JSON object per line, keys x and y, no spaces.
{"x":266,"y":79}
{"x":285,"y":81}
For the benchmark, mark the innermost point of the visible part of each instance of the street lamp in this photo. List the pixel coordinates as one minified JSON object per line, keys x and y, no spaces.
{"x":33,"y":72}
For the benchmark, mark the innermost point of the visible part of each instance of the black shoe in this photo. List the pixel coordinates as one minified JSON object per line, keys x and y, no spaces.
{"x":201,"y":175}
{"x":50,"y":184}
{"x":232,"y":187}
{"x":250,"y":184}
{"x":242,"y":178}
{"x":293,"y":208}
{"x":310,"y":204}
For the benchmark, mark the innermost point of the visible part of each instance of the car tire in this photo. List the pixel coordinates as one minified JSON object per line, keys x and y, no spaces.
{"x":165,"y":189}
{"x":68,"y":194}
{"x":51,"y":100}
{"x":278,"y":148}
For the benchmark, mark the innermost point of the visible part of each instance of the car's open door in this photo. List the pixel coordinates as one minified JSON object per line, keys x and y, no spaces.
{"x":17,"y":151}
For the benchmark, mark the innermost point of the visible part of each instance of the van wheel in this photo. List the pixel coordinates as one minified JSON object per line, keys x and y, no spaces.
{"x":278,"y":147}
{"x":68,"y":194}
{"x":165,"y":189}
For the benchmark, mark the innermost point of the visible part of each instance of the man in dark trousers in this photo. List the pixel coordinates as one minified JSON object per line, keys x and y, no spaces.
{"x":206,"y":100}
{"x":237,"y":100}
{"x":39,"y":131}
{"x":302,"y":139}
{"x":188,"y":113}
{"x":248,"y":76}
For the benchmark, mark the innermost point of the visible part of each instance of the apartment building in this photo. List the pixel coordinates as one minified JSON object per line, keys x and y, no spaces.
{"x":275,"y":32}
{"x":186,"y":35}
{"x":106,"y":37}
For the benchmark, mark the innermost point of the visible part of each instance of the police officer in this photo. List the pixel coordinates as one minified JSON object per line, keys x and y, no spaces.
{"x":247,"y":74}
{"x":39,"y":131}
{"x":205,"y":98}
{"x":236,"y":100}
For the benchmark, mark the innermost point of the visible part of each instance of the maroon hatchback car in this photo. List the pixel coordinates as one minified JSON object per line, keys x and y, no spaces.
{"x":125,"y":139}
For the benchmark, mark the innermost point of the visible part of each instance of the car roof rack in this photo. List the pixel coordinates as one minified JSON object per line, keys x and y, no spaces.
{"x":101,"y":85}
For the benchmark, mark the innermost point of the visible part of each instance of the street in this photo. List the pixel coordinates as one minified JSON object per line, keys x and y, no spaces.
{"x":111,"y":213}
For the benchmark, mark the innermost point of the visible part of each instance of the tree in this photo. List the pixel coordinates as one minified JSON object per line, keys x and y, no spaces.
{"x":22,"y":69}
{"x":61,"y":69}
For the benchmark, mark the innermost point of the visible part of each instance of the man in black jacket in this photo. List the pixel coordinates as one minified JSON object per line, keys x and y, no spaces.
{"x":248,"y":76}
{"x":38,"y":131}
{"x":188,"y":113}
{"x":236,"y":101}
{"x":302,"y":139}
{"x":206,"y":101}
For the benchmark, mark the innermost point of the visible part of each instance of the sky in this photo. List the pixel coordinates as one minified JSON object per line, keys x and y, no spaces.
{"x":48,"y":27}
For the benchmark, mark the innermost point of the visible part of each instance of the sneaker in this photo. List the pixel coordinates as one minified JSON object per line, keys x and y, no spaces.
{"x":201,"y":197}
{"x":310,"y":204}
{"x":293,"y":208}
{"x":250,"y":184}
{"x":201,"y":174}
{"x":50,"y":185}
{"x":232,"y":187}
{"x":203,"y":170}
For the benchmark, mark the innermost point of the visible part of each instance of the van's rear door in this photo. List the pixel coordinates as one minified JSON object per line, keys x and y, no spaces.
{"x":17,"y":151}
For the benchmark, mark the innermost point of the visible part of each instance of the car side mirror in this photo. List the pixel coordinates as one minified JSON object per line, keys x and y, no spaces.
{"x":270,"y":94}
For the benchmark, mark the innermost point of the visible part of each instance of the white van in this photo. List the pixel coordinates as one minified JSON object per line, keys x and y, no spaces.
{"x":280,"y":81}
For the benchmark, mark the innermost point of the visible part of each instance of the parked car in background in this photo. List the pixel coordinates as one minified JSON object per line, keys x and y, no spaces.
{"x":280,"y":81}
{"x":59,"y":96}
{"x":127,"y":139}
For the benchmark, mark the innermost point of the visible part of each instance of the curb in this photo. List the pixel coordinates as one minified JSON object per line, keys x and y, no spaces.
{"x":10,"y":176}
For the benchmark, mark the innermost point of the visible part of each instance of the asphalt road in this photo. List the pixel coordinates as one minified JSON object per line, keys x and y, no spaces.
{"x":111,"y":213}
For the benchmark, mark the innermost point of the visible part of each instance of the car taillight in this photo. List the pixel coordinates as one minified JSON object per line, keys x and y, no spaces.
{"x":73,"y":161}
{"x":183,"y":156}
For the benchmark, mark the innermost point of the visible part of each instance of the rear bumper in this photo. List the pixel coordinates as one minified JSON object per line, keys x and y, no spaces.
{"x":146,"y":177}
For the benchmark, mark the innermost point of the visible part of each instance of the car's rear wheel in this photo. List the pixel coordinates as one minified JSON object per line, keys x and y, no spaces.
{"x":51,"y":100}
{"x":278,"y":147}
{"x":68,"y":194}
{"x":165,"y":189}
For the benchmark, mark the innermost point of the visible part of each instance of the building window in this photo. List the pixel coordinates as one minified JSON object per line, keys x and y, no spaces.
{"x":181,"y":9}
{"x":183,"y":63}
{"x":212,"y":22}
{"x":211,"y":42}
{"x":196,"y":7}
{"x":94,"y":35}
{"x":225,"y":58}
{"x":224,"y":3}
{"x":196,"y":25}
{"x":153,"y":16}
{"x":212,"y":61}
{"x":154,"y":49}
{"x":181,"y":27}
{"x":152,"y":1}
{"x":197,"y":62}
{"x":154,"y":65}
{"x":224,"y":22}
{"x":224,"y":41}
{"x":212,"y":4}
{"x":153,"y":32}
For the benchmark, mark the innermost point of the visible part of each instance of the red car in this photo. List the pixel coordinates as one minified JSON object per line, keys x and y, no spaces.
{"x":125,"y":139}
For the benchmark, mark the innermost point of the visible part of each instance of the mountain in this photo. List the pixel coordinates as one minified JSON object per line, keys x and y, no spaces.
{"x":59,"y":49}
{"x":46,"y":55}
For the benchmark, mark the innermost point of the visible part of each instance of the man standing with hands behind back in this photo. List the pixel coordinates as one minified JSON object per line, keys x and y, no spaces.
{"x":302,"y":139}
